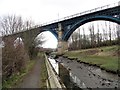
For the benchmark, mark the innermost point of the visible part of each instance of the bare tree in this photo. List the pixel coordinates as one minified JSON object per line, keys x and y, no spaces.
{"x":40,"y":40}
{"x":84,"y":38}
{"x":110,"y":34}
{"x":28,"y":24}
{"x":118,"y":33}
{"x":79,"y":38}
{"x":74,"y":41}
{"x":11,"y":24}
{"x":98,"y":35}
{"x":92,"y":35}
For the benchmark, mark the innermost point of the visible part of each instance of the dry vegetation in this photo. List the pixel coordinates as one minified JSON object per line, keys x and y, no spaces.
{"x":14,"y":59}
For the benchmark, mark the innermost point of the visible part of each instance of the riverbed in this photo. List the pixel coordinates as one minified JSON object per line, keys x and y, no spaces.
{"x":86,"y":76}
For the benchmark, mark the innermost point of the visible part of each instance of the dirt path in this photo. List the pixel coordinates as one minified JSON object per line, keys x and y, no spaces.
{"x":32,"y":80}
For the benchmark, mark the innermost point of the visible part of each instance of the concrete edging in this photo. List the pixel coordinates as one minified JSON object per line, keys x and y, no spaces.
{"x":53,"y":80}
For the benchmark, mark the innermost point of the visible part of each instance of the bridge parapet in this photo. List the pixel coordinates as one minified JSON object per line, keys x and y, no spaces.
{"x":83,"y":13}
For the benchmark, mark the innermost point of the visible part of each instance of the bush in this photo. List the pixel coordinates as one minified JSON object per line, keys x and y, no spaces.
{"x":33,"y":51}
{"x":14,"y":59}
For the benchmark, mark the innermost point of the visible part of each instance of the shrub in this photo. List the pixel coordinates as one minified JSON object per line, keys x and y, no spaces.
{"x":14,"y":59}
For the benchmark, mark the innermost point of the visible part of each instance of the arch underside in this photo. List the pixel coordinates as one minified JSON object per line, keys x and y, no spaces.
{"x":40,"y":31}
{"x":52,"y":31}
{"x":86,"y":20}
{"x":43,"y":30}
{"x":29,"y":35}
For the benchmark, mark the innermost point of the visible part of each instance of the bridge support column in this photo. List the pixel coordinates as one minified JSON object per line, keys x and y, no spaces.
{"x":62,"y":45}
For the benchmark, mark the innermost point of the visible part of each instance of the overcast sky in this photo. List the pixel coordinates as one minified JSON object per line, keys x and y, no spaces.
{"x":41,"y":11}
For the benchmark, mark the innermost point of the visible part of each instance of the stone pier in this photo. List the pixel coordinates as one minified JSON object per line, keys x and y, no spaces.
{"x":62,"y":45}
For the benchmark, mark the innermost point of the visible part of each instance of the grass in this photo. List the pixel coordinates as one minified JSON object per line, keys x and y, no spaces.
{"x":15,"y":79}
{"x":110,"y":48}
{"x":43,"y":74}
{"x":104,"y":59}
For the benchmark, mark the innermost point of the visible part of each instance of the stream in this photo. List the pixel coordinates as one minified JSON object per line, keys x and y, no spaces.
{"x":80,"y":75}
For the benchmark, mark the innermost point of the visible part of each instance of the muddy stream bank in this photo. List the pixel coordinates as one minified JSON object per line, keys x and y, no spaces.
{"x":85,"y":76}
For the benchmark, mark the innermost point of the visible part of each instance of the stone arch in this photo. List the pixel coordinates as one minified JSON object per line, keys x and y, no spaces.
{"x":43,"y":30}
{"x":29,"y":36}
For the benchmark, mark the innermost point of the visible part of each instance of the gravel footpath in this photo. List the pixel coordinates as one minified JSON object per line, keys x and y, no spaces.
{"x":32,"y":79}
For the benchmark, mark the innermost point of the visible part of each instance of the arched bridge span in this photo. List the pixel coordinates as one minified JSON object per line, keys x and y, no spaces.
{"x":86,"y":20}
{"x":63,"y":28}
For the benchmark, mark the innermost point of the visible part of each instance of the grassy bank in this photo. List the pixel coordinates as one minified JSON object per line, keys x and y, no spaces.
{"x":15,"y":79}
{"x":104,"y":57}
{"x":43,"y":71}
